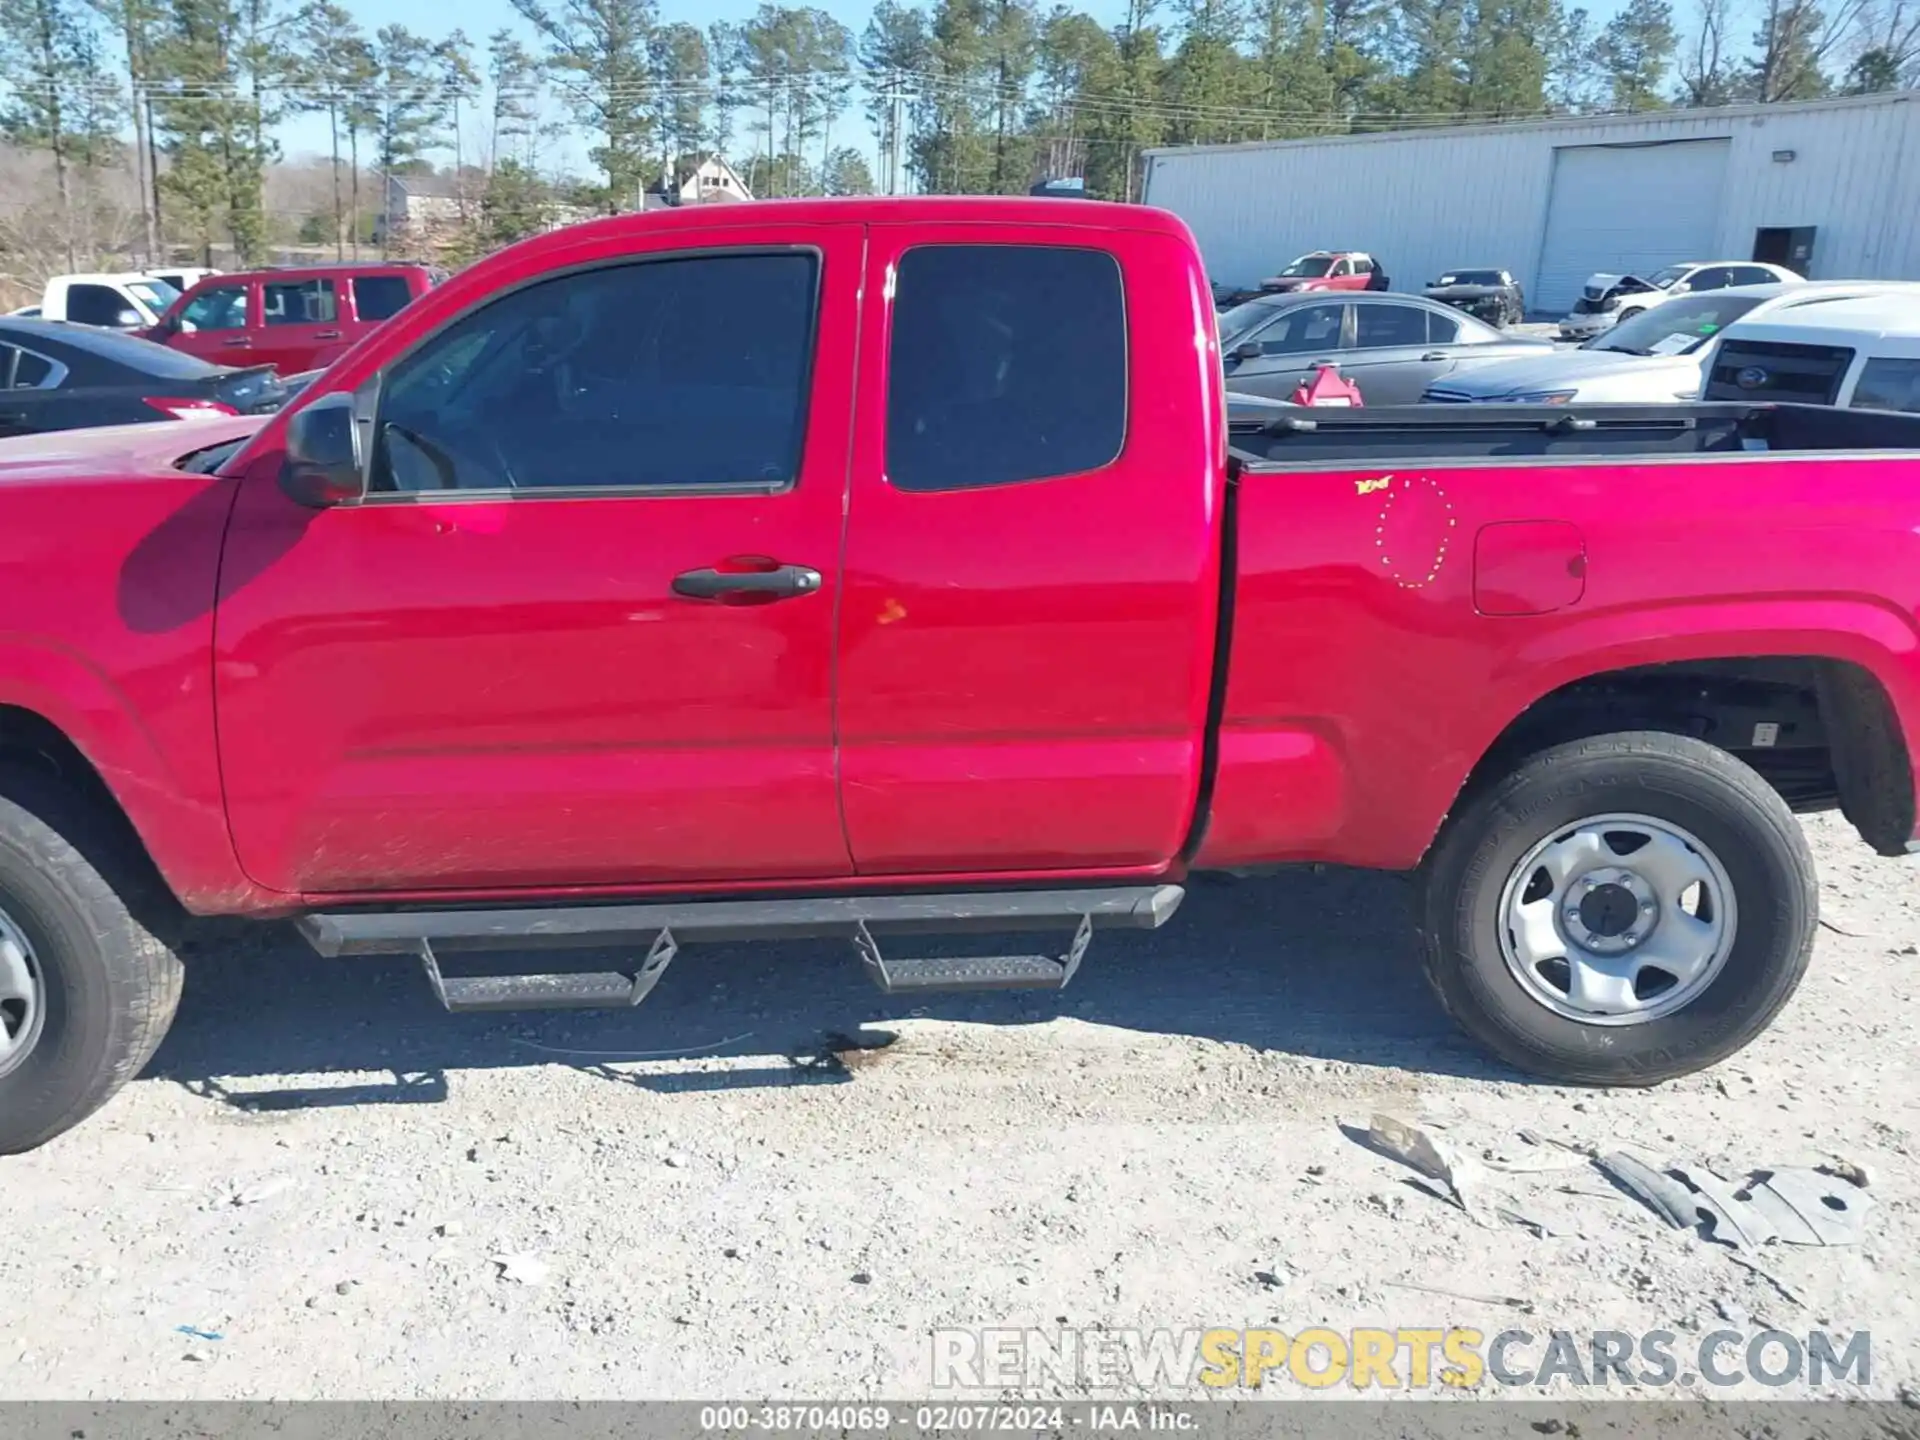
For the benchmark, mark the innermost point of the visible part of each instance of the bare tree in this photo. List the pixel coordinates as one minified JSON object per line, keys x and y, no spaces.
{"x":1707,"y":70}
{"x":1796,"y":42}
{"x":1886,"y":46}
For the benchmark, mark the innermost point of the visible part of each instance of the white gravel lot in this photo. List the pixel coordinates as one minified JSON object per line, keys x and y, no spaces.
{"x":364,"y":1197}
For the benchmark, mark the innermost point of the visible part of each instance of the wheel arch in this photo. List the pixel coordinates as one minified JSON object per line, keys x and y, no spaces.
{"x":1839,"y":743}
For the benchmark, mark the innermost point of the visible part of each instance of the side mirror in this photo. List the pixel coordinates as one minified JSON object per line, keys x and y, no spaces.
{"x":323,"y":466}
{"x":1248,"y":350}
{"x":128,"y":320}
{"x":1681,"y":289}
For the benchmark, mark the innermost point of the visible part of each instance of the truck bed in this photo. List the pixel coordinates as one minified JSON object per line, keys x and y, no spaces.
{"x":1389,"y":435}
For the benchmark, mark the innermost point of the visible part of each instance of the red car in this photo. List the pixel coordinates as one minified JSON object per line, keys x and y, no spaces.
{"x":870,"y":568}
{"x":1328,"y":270}
{"x":292,"y":319}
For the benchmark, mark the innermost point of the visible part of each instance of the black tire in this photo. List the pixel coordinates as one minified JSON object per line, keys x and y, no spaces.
{"x":1676,"y":779}
{"x":1626,"y":315}
{"x":71,"y":882}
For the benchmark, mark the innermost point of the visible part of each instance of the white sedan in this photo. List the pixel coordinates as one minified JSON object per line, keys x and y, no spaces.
{"x":1608,"y":300}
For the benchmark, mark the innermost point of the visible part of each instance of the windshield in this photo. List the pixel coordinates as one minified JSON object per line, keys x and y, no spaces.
{"x":157,"y":294}
{"x":1242,"y":320}
{"x":1678,"y":327}
{"x":1666,"y":277}
{"x":1311,"y":266}
{"x":1472,"y":277}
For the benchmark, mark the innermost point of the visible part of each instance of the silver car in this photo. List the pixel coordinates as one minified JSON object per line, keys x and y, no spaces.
{"x":1655,"y":358}
{"x":1392,"y":346}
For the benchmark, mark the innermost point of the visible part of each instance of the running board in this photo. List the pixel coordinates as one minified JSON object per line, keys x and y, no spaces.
{"x":662,"y":929}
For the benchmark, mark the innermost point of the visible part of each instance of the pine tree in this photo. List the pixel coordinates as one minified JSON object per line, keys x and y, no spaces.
{"x":598,"y":53}
{"x":1636,"y":50}
{"x":331,"y":51}
{"x":135,"y":23}
{"x":1793,"y":41}
{"x":892,"y":52}
{"x":513,"y":121}
{"x":52,"y":61}
{"x":1204,"y":81}
{"x":682,"y":74}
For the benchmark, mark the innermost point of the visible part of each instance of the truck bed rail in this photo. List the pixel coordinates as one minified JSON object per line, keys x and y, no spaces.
{"x":1389,"y":435}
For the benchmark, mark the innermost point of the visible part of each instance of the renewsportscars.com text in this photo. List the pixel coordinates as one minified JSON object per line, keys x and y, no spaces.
{"x":1400,"y":1358}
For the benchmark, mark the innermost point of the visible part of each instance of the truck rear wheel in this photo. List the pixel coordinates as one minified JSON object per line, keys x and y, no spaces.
{"x":86,"y":989}
{"x":1620,"y":910}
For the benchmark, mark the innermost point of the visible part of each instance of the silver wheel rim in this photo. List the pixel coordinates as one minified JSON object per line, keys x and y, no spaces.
{"x":22,"y":1001}
{"x":1617,"y":920}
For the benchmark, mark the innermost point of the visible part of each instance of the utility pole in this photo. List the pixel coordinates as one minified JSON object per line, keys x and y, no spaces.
{"x":152,"y":199}
{"x":897,"y":138}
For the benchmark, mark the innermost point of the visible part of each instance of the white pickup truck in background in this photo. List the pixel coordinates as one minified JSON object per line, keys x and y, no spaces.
{"x":127,"y":301}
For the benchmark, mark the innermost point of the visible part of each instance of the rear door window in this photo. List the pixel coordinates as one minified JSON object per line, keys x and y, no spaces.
{"x":31,"y":371}
{"x":299,"y":302}
{"x":1378,"y":327}
{"x":1006,"y":363}
{"x":375,"y":297}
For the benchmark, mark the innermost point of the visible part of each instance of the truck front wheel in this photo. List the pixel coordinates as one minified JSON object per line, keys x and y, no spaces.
{"x":86,"y":990}
{"x":1620,"y":910}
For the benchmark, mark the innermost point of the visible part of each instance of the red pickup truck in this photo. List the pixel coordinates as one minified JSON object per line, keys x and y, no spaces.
{"x":293,"y":319}
{"x":875,"y":568}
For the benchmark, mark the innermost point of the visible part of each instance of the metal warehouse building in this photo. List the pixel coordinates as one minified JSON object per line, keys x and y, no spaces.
{"x":1830,"y":188}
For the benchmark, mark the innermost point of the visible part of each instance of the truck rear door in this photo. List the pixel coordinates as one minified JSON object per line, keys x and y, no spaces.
{"x":299,"y":318}
{"x":580,"y":631}
{"x":1031,"y":582}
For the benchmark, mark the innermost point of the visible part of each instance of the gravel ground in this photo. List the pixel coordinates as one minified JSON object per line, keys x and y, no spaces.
{"x":363,"y":1197}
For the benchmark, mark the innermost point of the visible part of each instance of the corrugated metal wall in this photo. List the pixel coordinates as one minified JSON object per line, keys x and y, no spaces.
{"x":1427,"y":200}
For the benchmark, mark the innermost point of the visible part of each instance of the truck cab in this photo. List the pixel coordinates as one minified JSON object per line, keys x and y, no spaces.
{"x":1855,"y":353}
{"x":131,"y":301}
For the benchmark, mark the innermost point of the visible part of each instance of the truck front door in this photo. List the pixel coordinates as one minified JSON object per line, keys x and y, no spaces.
{"x":1032,"y":551}
{"x":580,"y":630}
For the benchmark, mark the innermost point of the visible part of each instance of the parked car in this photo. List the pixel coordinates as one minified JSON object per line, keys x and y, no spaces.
{"x":1392,"y":346}
{"x":1657,"y":357}
{"x":1861,"y":354}
{"x":871,"y":650}
{"x":1328,"y":270}
{"x":56,"y":376}
{"x":1490,"y":295}
{"x":1606,"y":300}
{"x":291,"y":319}
{"x":111,"y":302}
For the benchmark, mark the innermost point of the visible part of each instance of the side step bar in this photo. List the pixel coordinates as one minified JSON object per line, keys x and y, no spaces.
{"x":662,"y":929}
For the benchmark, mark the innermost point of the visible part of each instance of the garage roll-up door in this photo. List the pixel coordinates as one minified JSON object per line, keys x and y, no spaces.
{"x":1628,"y":209}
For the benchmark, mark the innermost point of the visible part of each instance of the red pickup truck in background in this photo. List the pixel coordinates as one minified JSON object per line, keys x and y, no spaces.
{"x":874,"y":568}
{"x":291,"y":318}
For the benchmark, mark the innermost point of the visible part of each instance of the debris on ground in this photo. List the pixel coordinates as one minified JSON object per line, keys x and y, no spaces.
{"x":198,"y":1334}
{"x":524,"y":1269}
{"x":1416,"y":1149}
{"x":1512,"y":1302}
{"x":1795,"y":1206}
{"x":265,"y":1190}
{"x":1854,"y":1174}
{"x":1665,"y":1196}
